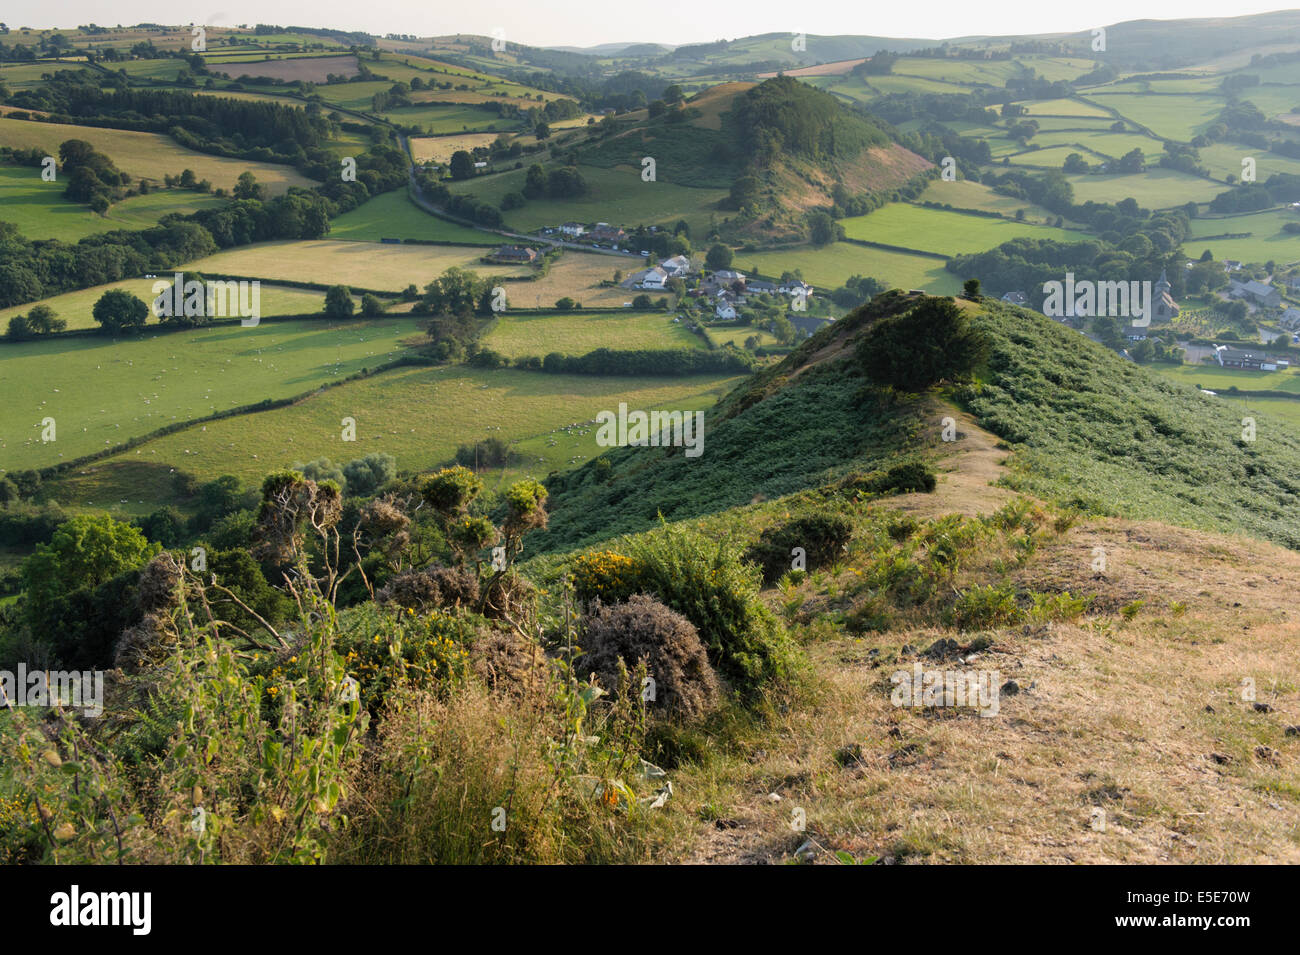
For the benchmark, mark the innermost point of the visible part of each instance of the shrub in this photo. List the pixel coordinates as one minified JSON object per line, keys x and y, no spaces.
{"x":906,"y":478}
{"x":443,"y":587}
{"x":821,"y":536}
{"x":983,"y":607}
{"x":645,"y":630}
{"x":430,"y":650}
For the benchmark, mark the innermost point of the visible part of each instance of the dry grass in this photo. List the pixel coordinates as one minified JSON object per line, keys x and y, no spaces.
{"x":1138,"y":715}
{"x":149,"y":155}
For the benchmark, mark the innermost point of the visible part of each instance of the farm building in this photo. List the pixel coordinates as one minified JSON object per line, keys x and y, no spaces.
{"x":514,"y":253}
{"x":1248,"y":360}
{"x":1260,"y":293}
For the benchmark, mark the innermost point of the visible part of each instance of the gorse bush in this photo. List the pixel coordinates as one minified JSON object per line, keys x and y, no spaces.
{"x":707,"y":582}
{"x":645,"y":631}
{"x":822,"y":537}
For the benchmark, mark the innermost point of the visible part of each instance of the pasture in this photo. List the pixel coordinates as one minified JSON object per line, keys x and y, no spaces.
{"x":438,"y":149}
{"x":1266,"y":242}
{"x":830,"y":266}
{"x":149,"y":155}
{"x":392,"y":215}
{"x":102,"y":391}
{"x":948,"y":233}
{"x":575,"y":333}
{"x":616,"y":195}
{"x":40,"y":211}
{"x":372,"y":265}
{"x":75,"y":307}
{"x":420,"y":416}
{"x":969,"y":194}
{"x":1154,"y":189}
{"x":1171,"y":116}
{"x":292,"y":69}
{"x":578,"y":275}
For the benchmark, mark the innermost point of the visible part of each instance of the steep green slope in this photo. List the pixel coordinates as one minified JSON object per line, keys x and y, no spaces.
{"x":1089,"y":429}
{"x":1093,"y":429}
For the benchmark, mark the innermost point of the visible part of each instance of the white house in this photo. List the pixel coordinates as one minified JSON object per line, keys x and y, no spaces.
{"x":655,"y":278}
{"x":573,"y":229}
{"x":727,"y":276}
{"x":725,"y":311}
{"x":676,"y":266}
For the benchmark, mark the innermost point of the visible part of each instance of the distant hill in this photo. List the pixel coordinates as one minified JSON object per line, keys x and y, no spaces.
{"x":784,"y":149}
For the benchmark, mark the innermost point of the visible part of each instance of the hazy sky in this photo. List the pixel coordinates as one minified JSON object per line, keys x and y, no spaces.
{"x":586,"y":23}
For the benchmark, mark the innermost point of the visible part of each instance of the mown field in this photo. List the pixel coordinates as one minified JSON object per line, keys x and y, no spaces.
{"x":420,"y":416}
{"x":578,"y":275}
{"x":617,"y":196}
{"x":830,"y":266}
{"x":363,"y":264}
{"x":393,"y":216}
{"x":573,"y":333}
{"x":102,"y":391}
{"x":438,"y":149}
{"x":40,"y":211}
{"x":1267,"y":241}
{"x":149,"y":155}
{"x":949,"y":233}
{"x":76,"y":307}
{"x":1220,"y":380}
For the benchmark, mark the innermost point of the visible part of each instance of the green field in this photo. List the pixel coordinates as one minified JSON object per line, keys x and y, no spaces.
{"x":829,"y":267}
{"x":969,"y":194}
{"x":40,"y":211}
{"x":1113,"y":145}
{"x":149,"y":155}
{"x":518,"y":334}
{"x":948,"y":233}
{"x":102,"y":392}
{"x":1224,"y":159}
{"x":618,"y":196}
{"x":1051,"y":157}
{"x":393,"y":216}
{"x":1063,"y":107}
{"x":1214,"y":378}
{"x":371,"y":265}
{"x":420,"y":416}
{"x":75,"y":307}
{"x":457,"y":118}
{"x":1266,"y":242}
{"x":1179,"y":117}
{"x":1154,"y":189}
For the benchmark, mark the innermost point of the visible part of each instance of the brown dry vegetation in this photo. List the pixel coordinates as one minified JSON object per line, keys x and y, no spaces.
{"x":1139,"y":714}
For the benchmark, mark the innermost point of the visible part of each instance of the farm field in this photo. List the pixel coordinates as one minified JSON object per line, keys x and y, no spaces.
{"x":392,"y":215}
{"x":1154,"y":189}
{"x":149,"y":155}
{"x":967,"y":72}
{"x":617,"y":196}
{"x":969,"y":194}
{"x":420,"y":416}
{"x":516,"y":334}
{"x":1224,"y":159}
{"x":577,"y":275}
{"x":1064,"y":107}
{"x":1109,"y":144}
{"x":449,"y":119}
{"x":372,"y":265}
{"x":1266,"y":242}
{"x":102,"y":392}
{"x":1051,"y":157}
{"x":40,"y":211}
{"x":948,"y":233}
{"x":1220,"y":380}
{"x":309,"y":69}
{"x":736,"y":335}
{"x":75,"y":307}
{"x":438,"y":149}
{"x":829,"y":267}
{"x":1179,"y":117}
